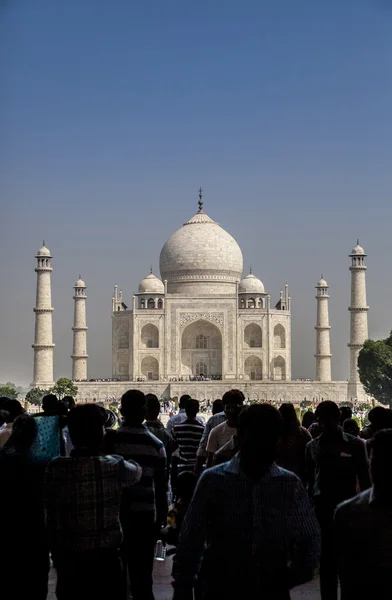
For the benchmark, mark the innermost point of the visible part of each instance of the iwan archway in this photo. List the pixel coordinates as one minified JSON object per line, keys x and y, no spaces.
{"x":201,"y":350}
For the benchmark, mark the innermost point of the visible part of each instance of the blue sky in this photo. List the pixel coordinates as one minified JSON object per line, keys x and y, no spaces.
{"x":114,"y":113}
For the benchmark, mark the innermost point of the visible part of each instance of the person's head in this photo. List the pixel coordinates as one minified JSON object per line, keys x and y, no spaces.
{"x":345,"y":413}
{"x":183,"y":400}
{"x":3,"y":400}
{"x":86,"y":427}
{"x":153,"y":407}
{"x":380,"y":461}
{"x":186,"y":483}
{"x":328,"y":416}
{"x":192,"y":407}
{"x":289,"y":416}
{"x":24,"y":433}
{"x":380,"y":418}
{"x":50,"y":404}
{"x":133,"y":406}
{"x":12,"y":410}
{"x":351,"y":426}
{"x":233,"y":401}
{"x":308,"y":419}
{"x":259,"y":431}
{"x":69,"y":402}
{"x":217,"y":406}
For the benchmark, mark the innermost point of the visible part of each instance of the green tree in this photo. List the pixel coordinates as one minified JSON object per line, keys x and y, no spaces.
{"x":375,"y":369}
{"x":35,"y":395}
{"x":64,"y":387}
{"x":8,"y":390}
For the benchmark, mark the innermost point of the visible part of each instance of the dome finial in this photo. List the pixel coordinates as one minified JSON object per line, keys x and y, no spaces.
{"x":322,"y":276}
{"x":250,"y":270}
{"x":151,"y":270}
{"x":357,"y":241}
{"x":43,"y":242}
{"x":200,"y":199}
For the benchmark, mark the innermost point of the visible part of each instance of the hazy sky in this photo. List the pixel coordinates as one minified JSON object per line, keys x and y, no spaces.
{"x":114,"y":113}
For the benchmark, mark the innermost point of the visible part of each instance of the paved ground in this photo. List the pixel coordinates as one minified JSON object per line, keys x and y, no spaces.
{"x":163,"y":590}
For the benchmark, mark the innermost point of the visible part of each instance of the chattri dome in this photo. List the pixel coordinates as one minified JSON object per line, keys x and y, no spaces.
{"x":44,"y":251}
{"x":358,"y":249}
{"x":201,"y":257}
{"x":251,"y":285}
{"x":151,"y":285}
{"x":322,"y":283}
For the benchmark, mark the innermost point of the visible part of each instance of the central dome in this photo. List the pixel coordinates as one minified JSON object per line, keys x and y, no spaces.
{"x":201,"y":257}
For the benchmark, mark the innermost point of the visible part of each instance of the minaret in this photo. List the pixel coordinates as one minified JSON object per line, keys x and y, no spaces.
{"x":358,"y":317}
{"x":323,"y":342}
{"x":79,"y":354}
{"x":43,"y":338}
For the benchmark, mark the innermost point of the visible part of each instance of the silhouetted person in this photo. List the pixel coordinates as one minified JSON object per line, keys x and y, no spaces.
{"x":82,"y":495}
{"x":212,"y":422}
{"x":293,"y":442}
{"x":144,"y":509}
{"x":12,"y":409}
{"x":233,"y":402}
{"x":351,"y":426}
{"x":217,"y":406}
{"x":364,"y":530}
{"x":308,"y":418}
{"x":25,"y":556}
{"x":336,"y":462}
{"x":255,"y":518}
{"x":346,"y":412}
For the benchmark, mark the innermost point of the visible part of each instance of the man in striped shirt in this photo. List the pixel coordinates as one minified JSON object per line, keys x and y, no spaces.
{"x":144,"y":508}
{"x":188,"y":435}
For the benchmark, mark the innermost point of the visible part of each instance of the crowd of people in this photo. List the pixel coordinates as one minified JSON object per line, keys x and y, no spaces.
{"x":252,"y":501}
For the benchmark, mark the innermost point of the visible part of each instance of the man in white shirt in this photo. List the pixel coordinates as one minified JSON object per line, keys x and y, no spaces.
{"x":233,"y":402}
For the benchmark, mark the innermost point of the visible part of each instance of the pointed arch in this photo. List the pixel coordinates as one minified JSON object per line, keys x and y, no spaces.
{"x":253,"y":368}
{"x":253,"y":337}
{"x":149,"y":336}
{"x":279,"y":336}
{"x":279,"y":368}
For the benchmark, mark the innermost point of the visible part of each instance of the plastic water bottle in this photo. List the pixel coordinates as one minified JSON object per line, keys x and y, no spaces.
{"x":160,"y":551}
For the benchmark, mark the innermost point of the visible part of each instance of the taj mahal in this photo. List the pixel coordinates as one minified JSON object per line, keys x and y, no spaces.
{"x":202,"y":327}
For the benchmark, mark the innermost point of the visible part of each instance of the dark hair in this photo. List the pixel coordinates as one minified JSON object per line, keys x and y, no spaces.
{"x":3,"y":400}
{"x":351,"y":426}
{"x":345,"y":413}
{"x":153,"y":406}
{"x":289,"y":416}
{"x":133,"y":405}
{"x":50,"y":403}
{"x":260,"y":427}
{"x":381,"y":459}
{"x":186,"y":483}
{"x":308,"y":419}
{"x":327,"y":411}
{"x":24,"y":433}
{"x":69,"y":402}
{"x":183,"y":400}
{"x":233,"y":397}
{"x":217,"y":406}
{"x":380,"y":418}
{"x":85,"y":425}
{"x":192,"y":407}
{"x":13,"y":409}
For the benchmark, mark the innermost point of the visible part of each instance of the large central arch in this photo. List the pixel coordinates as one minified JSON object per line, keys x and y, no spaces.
{"x":201,"y":350}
